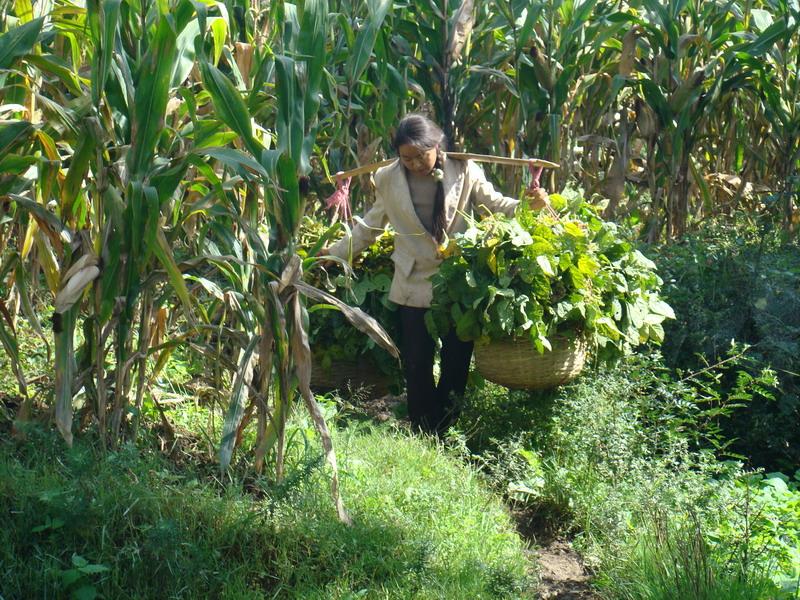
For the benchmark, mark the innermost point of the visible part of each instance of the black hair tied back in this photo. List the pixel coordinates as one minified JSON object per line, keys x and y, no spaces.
{"x":438,"y":203}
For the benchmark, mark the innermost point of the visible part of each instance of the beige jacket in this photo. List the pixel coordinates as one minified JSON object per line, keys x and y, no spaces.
{"x":416,"y":256}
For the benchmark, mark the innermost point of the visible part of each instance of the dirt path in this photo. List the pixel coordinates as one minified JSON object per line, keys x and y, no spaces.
{"x":562,"y":574}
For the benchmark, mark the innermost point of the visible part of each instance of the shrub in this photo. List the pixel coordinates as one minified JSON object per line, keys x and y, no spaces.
{"x":738,"y":281}
{"x":628,"y":454}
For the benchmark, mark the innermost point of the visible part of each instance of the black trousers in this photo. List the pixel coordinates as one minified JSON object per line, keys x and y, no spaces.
{"x":432,"y":408}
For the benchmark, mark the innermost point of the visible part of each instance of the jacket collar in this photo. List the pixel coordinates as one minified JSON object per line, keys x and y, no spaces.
{"x":452,"y":186}
{"x":402,"y":194}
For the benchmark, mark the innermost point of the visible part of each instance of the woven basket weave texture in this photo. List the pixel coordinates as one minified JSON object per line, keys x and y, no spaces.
{"x":516,"y":364}
{"x":349,"y":374}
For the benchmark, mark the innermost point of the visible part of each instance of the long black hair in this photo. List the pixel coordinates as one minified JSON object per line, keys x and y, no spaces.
{"x":422,"y":133}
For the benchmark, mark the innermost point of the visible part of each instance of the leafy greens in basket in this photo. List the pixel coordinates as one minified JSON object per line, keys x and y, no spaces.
{"x":536,"y":277}
{"x":332,"y":338}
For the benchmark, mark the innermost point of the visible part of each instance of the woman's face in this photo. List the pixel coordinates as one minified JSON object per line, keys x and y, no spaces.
{"x":417,"y":160}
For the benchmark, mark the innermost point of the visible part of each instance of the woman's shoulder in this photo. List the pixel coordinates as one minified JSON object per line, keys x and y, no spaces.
{"x":387,"y":172}
{"x":457,"y":164}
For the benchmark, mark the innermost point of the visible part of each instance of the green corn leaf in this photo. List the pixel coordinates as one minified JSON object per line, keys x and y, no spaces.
{"x":185,"y":55}
{"x":152,"y":224}
{"x":101,"y":64}
{"x":76,"y":175}
{"x":163,"y":252}
{"x":235,"y":159}
{"x":219,"y":31}
{"x":47,"y":221}
{"x":291,"y":204}
{"x":655,"y":98}
{"x":365,"y":41}
{"x":229,"y":105}
{"x":239,"y":393}
{"x":19,"y":41}
{"x":167,"y":180}
{"x":135,"y":221}
{"x":766,"y":40}
{"x":16,"y":164}
{"x":54,"y":65}
{"x":668,"y":24}
{"x":11,"y":134}
{"x":111,"y":253}
{"x":312,"y":48}
{"x":152,"y":93}
{"x":290,"y":123}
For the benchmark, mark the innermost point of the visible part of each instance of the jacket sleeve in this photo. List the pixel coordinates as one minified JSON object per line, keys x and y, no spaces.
{"x":485,"y":199}
{"x":364,"y":233}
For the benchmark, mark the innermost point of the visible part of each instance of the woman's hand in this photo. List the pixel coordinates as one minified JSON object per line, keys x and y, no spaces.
{"x":326,"y":263}
{"x":537,"y":199}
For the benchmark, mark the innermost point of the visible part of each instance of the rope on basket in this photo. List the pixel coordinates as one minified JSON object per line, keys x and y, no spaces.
{"x":339,"y":200}
{"x":536,"y":174}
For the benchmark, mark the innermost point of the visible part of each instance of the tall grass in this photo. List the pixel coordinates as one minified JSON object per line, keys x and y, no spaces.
{"x":674,"y":561}
{"x":624,"y":460}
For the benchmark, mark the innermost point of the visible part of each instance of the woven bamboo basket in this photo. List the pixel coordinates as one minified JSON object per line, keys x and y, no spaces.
{"x":349,"y":374}
{"x":515,"y":363}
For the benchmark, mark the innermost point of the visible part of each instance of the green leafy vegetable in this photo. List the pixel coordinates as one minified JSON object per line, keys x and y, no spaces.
{"x":331,"y":337}
{"x":535,"y":276}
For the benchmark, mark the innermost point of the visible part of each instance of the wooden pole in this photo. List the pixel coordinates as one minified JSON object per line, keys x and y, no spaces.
{"x":502,"y":160}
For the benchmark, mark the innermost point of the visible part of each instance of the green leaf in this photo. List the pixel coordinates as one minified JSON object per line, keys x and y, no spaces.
{"x":660,"y":307}
{"x":229,"y":105}
{"x":161,"y":248}
{"x":365,"y":41}
{"x":237,"y":160}
{"x":11,"y":134}
{"x":290,"y":119}
{"x":85,"y":592}
{"x":544,"y":264}
{"x":312,"y":47}
{"x":104,"y":51}
{"x":19,"y":41}
{"x":150,"y":101}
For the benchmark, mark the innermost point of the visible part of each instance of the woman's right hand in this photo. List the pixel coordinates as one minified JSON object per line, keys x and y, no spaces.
{"x":537,"y":198}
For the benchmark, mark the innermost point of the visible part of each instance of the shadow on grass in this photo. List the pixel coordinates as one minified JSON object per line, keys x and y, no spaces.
{"x":128,"y":524}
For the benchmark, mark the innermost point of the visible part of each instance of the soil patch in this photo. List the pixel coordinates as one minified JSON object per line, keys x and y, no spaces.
{"x":562,"y":574}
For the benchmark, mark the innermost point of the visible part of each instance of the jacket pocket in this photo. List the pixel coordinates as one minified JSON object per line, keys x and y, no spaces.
{"x":403,"y":263}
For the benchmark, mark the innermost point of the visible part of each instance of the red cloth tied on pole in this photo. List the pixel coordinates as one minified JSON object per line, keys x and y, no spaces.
{"x":536,"y":174}
{"x":339,"y":201}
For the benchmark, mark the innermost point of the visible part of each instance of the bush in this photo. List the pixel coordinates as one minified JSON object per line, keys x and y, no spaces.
{"x":740,"y":282}
{"x":332,"y":337}
{"x":628,"y":454}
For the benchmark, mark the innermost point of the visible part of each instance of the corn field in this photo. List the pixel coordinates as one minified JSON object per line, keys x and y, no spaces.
{"x":156,"y":160}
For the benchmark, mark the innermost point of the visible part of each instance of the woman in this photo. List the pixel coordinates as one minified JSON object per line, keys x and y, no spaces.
{"x":426,"y":196}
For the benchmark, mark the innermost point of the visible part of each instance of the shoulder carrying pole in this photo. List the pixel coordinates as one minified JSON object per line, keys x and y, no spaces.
{"x":501,"y":160}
